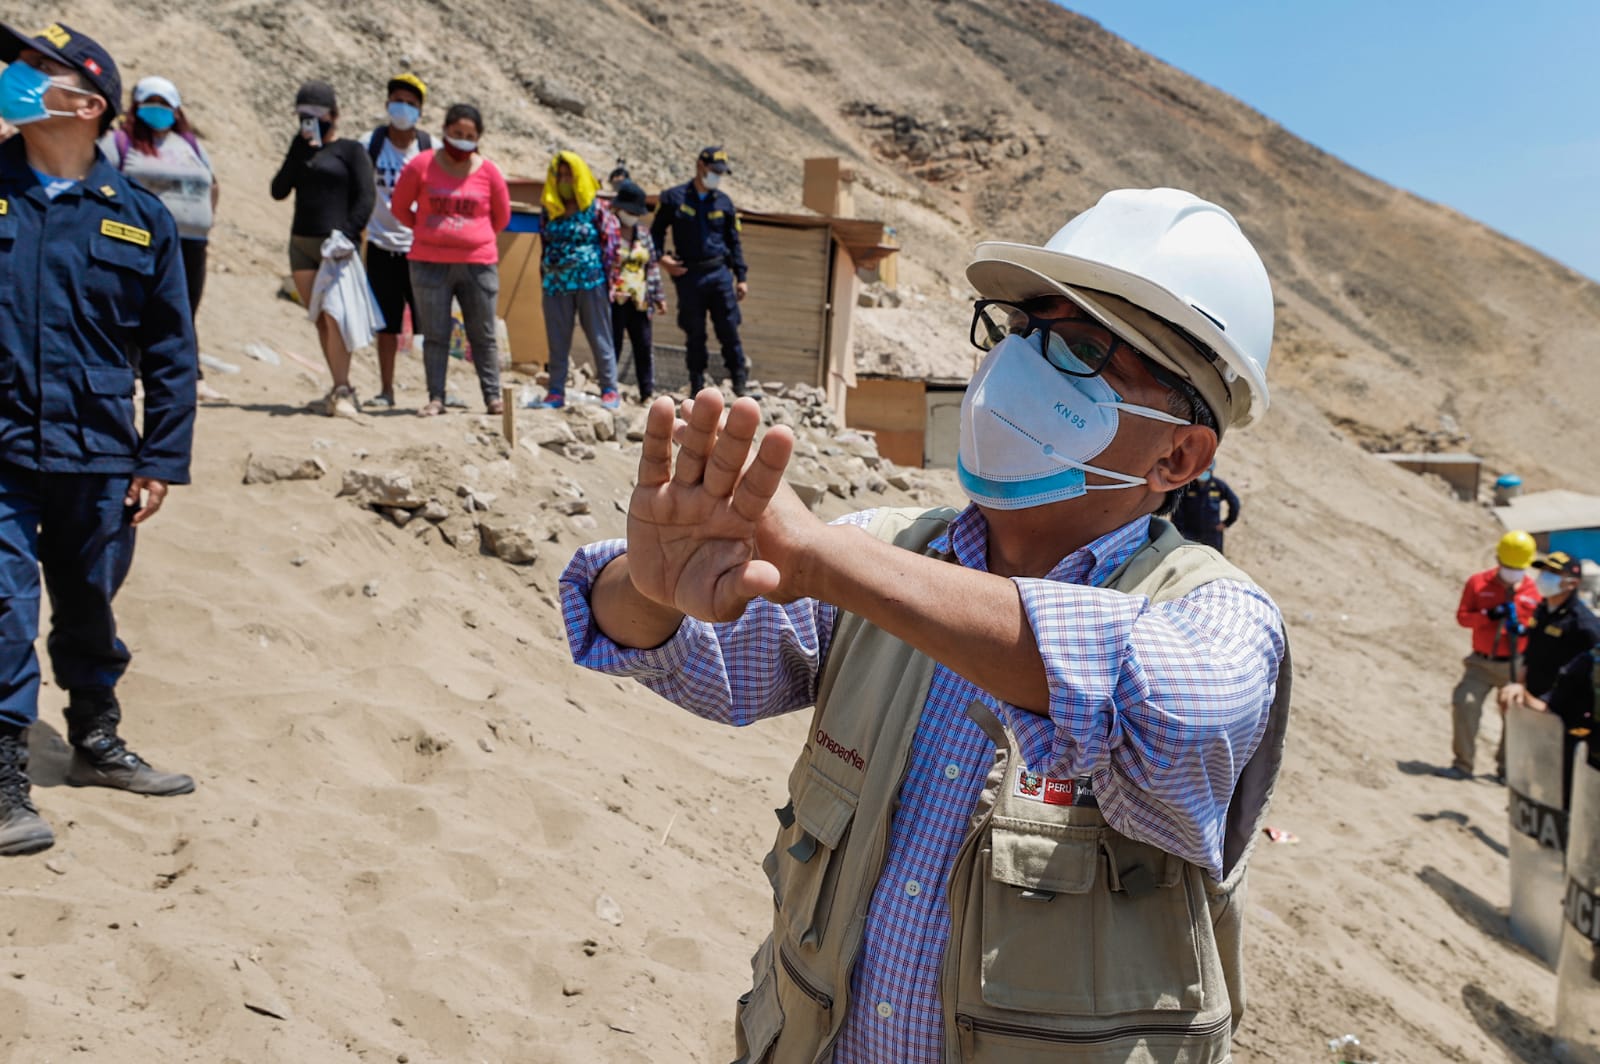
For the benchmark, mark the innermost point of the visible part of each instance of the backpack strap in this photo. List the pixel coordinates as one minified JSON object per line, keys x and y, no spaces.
{"x":124,"y":141}
{"x":380,"y":137}
{"x":424,"y":141}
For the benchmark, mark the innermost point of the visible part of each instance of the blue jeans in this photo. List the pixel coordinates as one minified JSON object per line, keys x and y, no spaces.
{"x":76,"y":527}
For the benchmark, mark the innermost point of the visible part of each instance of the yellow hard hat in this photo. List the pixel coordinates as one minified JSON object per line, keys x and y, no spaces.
{"x":409,"y":81}
{"x":1516,"y":550}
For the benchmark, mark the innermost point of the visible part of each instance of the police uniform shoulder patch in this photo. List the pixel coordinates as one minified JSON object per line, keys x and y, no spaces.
{"x":5,"y":206}
{"x":684,"y":208}
{"x":108,"y":192}
{"x":131,"y":233}
{"x":714,"y":214}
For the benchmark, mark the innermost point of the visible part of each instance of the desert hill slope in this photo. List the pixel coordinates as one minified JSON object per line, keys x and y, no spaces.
{"x":358,"y":863}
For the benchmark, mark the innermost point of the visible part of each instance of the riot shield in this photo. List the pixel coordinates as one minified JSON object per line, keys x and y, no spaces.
{"x":1577,"y":1033}
{"x":1538,"y":829}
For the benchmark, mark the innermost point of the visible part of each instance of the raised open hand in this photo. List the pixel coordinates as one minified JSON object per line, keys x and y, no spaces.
{"x":692,"y":522}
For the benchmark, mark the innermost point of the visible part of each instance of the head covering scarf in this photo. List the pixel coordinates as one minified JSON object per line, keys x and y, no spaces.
{"x":584,"y":186}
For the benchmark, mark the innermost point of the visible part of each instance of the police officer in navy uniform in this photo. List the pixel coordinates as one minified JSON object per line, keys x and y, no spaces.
{"x":93,"y":299}
{"x":1199,"y":514}
{"x":706,"y":265}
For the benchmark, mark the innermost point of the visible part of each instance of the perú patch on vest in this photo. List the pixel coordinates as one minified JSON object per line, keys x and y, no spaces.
{"x":1050,"y":790}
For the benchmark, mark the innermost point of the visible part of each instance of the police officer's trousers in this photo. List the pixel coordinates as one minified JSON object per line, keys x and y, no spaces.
{"x":74,"y":526}
{"x":1479,"y":681}
{"x":710,"y":293}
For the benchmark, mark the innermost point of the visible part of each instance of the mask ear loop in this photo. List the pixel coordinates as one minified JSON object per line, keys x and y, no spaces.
{"x":1148,"y":412}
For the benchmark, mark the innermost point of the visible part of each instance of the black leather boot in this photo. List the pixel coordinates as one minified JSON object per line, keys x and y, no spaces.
{"x":99,"y":756}
{"x":22,"y":829}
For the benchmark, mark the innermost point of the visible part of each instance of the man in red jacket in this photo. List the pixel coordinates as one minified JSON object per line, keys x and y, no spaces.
{"x":1497,"y":604}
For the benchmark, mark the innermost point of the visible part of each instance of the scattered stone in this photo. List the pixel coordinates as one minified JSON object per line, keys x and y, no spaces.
{"x":585,"y":522}
{"x":298,"y":560}
{"x":470,"y":618}
{"x":370,"y":589}
{"x":55,"y":866}
{"x":263,"y":353}
{"x":810,"y":492}
{"x":401,"y":518}
{"x":482,"y":501}
{"x":546,"y":433}
{"x":269,"y":468}
{"x":608,"y":910}
{"x":590,"y":948}
{"x":578,"y":452}
{"x":571,"y":988}
{"x":876,"y":484}
{"x":485,"y":745}
{"x":558,"y":96}
{"x":513,"y":542}
{"x":459,"y":530}
{"x":470,"y":471}
{"x":434,"y":511}
{"x":899,"y":479}
{"x":375,"y":489}
{"x":570,"y":507}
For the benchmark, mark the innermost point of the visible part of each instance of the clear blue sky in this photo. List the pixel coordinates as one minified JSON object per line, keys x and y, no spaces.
{"x":1492,"y":109}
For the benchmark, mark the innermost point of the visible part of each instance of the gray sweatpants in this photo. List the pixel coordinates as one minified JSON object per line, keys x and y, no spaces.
{"x":592,"y":308}
{"x":477,"y":289}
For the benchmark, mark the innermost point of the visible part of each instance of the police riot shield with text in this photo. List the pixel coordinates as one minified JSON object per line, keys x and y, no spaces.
{"x":1538,"y":829}
{"x":1577,"y":1032}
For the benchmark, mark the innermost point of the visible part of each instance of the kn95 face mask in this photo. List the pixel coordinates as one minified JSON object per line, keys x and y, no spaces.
{"x":1029,"y":431}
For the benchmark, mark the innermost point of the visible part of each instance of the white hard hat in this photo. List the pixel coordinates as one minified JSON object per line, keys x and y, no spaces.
{"x":1172,"y":255}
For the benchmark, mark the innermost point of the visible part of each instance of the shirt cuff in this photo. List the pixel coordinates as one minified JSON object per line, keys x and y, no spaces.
{"x":1083,"y":636}
{"x":592,"y":648}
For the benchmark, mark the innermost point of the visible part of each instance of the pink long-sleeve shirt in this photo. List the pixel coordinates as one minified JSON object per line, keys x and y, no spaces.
{"x":453,"y":219}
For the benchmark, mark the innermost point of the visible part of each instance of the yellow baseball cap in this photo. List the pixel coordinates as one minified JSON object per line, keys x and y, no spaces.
{"x":409,"y":81}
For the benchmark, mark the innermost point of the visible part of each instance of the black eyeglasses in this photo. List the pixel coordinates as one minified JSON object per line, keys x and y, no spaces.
{"x":1079,"y":347}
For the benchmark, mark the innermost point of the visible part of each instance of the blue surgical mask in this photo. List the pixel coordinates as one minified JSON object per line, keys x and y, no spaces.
{"x":1205,"y":476}
{"x":403,"y":115}
{"x":157,"y":117}
{"x":22,"y":90}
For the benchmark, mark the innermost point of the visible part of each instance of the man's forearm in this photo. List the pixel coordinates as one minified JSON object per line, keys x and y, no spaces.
{"x":971,"y":622}
{"x":626,"y":617}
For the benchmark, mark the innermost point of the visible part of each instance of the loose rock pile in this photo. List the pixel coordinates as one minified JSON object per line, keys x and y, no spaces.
{"x":568,"y":477}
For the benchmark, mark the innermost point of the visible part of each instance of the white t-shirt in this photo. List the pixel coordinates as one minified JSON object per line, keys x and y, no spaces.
{"x":383,"y":231}
{"x":180,"y":174}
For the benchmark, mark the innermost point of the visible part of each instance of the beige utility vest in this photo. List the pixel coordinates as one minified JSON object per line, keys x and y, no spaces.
{"x":1068,"y":940}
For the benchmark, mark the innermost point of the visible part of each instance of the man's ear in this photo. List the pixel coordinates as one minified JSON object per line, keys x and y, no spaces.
{"x":92,"y":108}
{"x":1194,"y":447}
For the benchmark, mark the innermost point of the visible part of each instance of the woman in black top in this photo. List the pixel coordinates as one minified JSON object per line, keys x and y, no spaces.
{"x":333,"y":189}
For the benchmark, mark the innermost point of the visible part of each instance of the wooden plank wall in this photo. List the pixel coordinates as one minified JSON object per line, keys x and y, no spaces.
{"x":786,"y":313}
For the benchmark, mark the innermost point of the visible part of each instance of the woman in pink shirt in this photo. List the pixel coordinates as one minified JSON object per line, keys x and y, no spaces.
{"x":456,"y":203}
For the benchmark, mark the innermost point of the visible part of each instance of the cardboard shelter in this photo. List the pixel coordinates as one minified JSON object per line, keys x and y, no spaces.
{"x":916,"y":422}
{"x":804,"y":275}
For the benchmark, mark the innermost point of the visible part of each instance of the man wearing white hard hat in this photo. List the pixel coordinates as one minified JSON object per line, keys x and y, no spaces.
{"x":1083,"y":889}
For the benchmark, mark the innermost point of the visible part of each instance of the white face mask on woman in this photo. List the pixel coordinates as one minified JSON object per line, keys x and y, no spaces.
{"x":1028,"y":430}
{"x":627,"y":219}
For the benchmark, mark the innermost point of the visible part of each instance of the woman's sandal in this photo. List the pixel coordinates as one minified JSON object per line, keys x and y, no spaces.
{"x":433,"y":409}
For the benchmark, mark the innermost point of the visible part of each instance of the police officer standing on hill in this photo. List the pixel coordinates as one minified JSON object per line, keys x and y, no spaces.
{"x":1563,"y":628}
{"x":93,"y":300}
{"x":706,"y":265}
{"x":1199,"y":513}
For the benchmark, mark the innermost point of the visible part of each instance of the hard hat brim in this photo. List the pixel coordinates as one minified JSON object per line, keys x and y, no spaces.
{"x":1002,"y":270}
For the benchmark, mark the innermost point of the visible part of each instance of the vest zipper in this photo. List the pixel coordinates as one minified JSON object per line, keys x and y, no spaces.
{"x":969,"y":1024}
{"x":806,"y":986}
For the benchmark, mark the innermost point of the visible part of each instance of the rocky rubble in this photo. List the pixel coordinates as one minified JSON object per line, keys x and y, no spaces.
{"x":484,"y":496}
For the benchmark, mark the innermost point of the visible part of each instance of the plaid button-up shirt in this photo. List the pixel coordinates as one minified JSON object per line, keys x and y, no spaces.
{"x":1160,"y":704}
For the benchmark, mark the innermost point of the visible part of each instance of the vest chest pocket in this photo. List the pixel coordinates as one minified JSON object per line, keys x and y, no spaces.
{"x":1079,"y":921}
{"x":803,"y":866}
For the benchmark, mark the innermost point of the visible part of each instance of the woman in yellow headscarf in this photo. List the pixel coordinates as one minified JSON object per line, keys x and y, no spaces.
{"x":579,"y":265}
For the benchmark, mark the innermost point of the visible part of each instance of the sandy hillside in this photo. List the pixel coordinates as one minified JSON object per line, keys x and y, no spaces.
{"x":411,"y":804}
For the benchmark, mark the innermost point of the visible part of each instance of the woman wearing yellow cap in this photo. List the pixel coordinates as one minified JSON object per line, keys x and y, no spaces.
{"x":579,"y":264}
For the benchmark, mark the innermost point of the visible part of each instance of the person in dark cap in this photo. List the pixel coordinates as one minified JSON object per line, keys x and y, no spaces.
{"x":618,"y":175}
{"x":1199,"y":514}
{"x":78,"y":472}
{"x":1563,"y":628}
{"x":331,"y":180}
{"x":706,"y":266}
{"x":636,"y":295}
